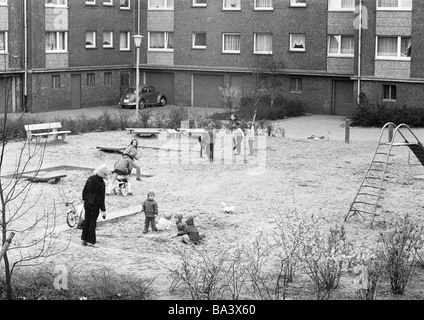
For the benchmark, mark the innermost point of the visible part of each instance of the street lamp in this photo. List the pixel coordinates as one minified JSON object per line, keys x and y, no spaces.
{"x":137,"y":41}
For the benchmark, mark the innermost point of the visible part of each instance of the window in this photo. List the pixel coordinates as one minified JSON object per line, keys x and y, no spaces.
{"x":389,"y":92}
{"x":107,"y":39}
{"x":3,"y":2}
{"x":161,"y":4}
{"x":231,"y":43}
{"x":161,"y":41}
{"x":295,"y":84}
{"x":124,"y":41}
{"x":232,"y":5}
{"x":263,"y":43}
{"x":341,"y":45}
{"x":108,"y":78}
{"x":90,"y":39}
{"x":90,"y":2}
{"x":125,"y":79}
{"x":3,"y":42}
{"x":55,"y":81}
{"x":53,"y":3}
{"x":298,"y":3}
{"x":297,"y":42}
{"x":341,"y":5}
{"x":108,"y":2}
{"x":263,"y":5}
{"x":394,"y":4}
{"x":91,"y":79}
{"x":393,"y":48}
{"x":199,"y":3}
{"x":56,"y":41}
{"x":124,"y":4}
{"x":199,"y":40}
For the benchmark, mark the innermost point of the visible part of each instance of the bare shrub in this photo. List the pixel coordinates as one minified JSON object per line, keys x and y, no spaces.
{"x":325,"y":258}
{"x":176,"y":115}
{"x":398,"y":250}
{"x":367,"y":275}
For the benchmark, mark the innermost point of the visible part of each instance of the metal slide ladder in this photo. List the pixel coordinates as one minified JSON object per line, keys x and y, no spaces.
{"x":369,"y":195}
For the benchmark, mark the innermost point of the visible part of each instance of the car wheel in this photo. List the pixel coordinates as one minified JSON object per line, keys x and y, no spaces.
{"x":142,"y":104}
{"x":162,"y":101}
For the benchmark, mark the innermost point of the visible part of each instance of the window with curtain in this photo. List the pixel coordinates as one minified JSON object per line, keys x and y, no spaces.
{"x":263,"y":4}
{"x":124,"y":4}
{"x":200,"y":3}
{"x":108,"y":39}
{"x":161,"y":4}
{"x":231,"y":43}
{"x":263,"y":43}
{"x":339,"y":45}
{"x":3,"y":42}
{"x":389,"y":92}
{"x":90,"y":39}
{"x":295,"y":84}
{"x":124,"y":41}
{"x":161,"y":40}
{"x":298,"y":3}
{"x":393,"y":4}
{"x":232,"y":4}
{"x":341,"y":4}
{"x":297,"y":42}
{"x":56,"y":41}
{"x":393,"y":47}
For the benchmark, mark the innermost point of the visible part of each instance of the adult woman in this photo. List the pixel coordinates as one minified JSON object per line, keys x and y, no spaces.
{"x":93,"y":195}
{"x":131,"y":150}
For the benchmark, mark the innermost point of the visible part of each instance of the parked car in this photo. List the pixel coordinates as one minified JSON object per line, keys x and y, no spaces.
{"x":148,"y":97}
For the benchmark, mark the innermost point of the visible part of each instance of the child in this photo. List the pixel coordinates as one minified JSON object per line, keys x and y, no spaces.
{"x":150,"y":209}
{"x":190,"y":235}
{"x":179,"y":222}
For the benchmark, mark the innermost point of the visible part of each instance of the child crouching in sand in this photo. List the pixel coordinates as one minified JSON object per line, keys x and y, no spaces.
{"x":190,"y":235}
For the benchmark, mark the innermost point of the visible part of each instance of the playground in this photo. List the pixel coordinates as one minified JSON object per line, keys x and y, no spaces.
{"x":318,"y":177}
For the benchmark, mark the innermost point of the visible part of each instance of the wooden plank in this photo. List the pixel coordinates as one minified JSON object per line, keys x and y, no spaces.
{"x":112,"y":149}
{"x":45,"y":178}
{"x":43,"y":126}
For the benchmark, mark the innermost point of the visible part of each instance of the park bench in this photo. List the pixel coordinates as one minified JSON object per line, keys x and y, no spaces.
{"x":191,"y":132}
{"x":38,"y":131}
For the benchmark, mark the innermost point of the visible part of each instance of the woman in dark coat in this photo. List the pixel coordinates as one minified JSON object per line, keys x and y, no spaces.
{"x":93,"y":195}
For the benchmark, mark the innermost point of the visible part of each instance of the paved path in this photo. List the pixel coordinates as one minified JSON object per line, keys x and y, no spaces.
{"x":332,"y":127}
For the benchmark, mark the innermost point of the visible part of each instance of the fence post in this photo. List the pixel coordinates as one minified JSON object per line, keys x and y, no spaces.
{"x":6,"y":245}
{"x":347,"y":130}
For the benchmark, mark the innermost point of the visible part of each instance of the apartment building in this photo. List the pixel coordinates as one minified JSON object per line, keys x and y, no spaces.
{"x":323,"y":52}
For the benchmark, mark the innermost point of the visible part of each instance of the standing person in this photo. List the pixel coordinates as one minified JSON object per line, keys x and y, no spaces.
{"x":131,"y":150}
{"x":250,"y":136}
{"x":212,"y":137}
{"x":122,"y":167}
{"x":239,"y":136}
{"x":93,"y":196}
{"x":150,"y":210}
{"x":202,"y":144}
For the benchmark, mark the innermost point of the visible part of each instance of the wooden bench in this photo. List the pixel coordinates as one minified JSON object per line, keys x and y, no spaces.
{"x":144,"y":131}
{"x":38,"y":131}
{"x":112,"y":149}
{"x":192,"y":131}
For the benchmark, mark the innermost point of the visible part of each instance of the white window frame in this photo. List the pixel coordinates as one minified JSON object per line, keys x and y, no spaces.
{"x":165,"y":45}
{"x":111,"y":39}
{"x":164,"y":7}
{"x":293,"y":3}
{"x":57,"y":41}
{"x":196,"y":4}
{"x":223,"y":42}
{"x":55,"y":3}
{"x":194,"y":46}
{"x":339,"y":51}
{"x":90,"y":2}
{"x":255,"y":39}
{"x":398,"y":8}
{"x":238,"y":8}
{"x":3,"y":2}
{"x":5,"y":51}
{"x":108,"y":3}
{"x":400,"y":56}
{"x":128,"y":47}
{"x":256,"y":7}
{"x":390,"y":93}
{"x":296,"y":49}
{"x":91,"y":46}
{"x":121,"y":7}
{"x":339,"y":7}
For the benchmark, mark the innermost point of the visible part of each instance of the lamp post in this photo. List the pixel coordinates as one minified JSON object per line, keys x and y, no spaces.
{"x":137,"y":41}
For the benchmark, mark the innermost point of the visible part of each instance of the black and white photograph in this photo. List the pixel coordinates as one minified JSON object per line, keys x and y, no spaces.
{"x":212,"y":156}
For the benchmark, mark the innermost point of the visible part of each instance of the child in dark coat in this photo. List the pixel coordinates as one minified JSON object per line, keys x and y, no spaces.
{"x":150,"y":209}
{"x":190,"y":235}
{"x":179,"y":222}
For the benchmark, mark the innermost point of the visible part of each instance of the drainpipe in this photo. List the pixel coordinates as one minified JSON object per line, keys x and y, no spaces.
{"x":359,"y":50}
{"x":138,"y":17}
{"x":25,"y":55}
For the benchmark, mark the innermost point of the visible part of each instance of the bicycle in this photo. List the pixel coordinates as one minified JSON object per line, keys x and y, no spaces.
{"x":75,"y":212}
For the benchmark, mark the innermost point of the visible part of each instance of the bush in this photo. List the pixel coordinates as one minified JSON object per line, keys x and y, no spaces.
{"x":176,"y":115}
{"x":398,"y":250}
